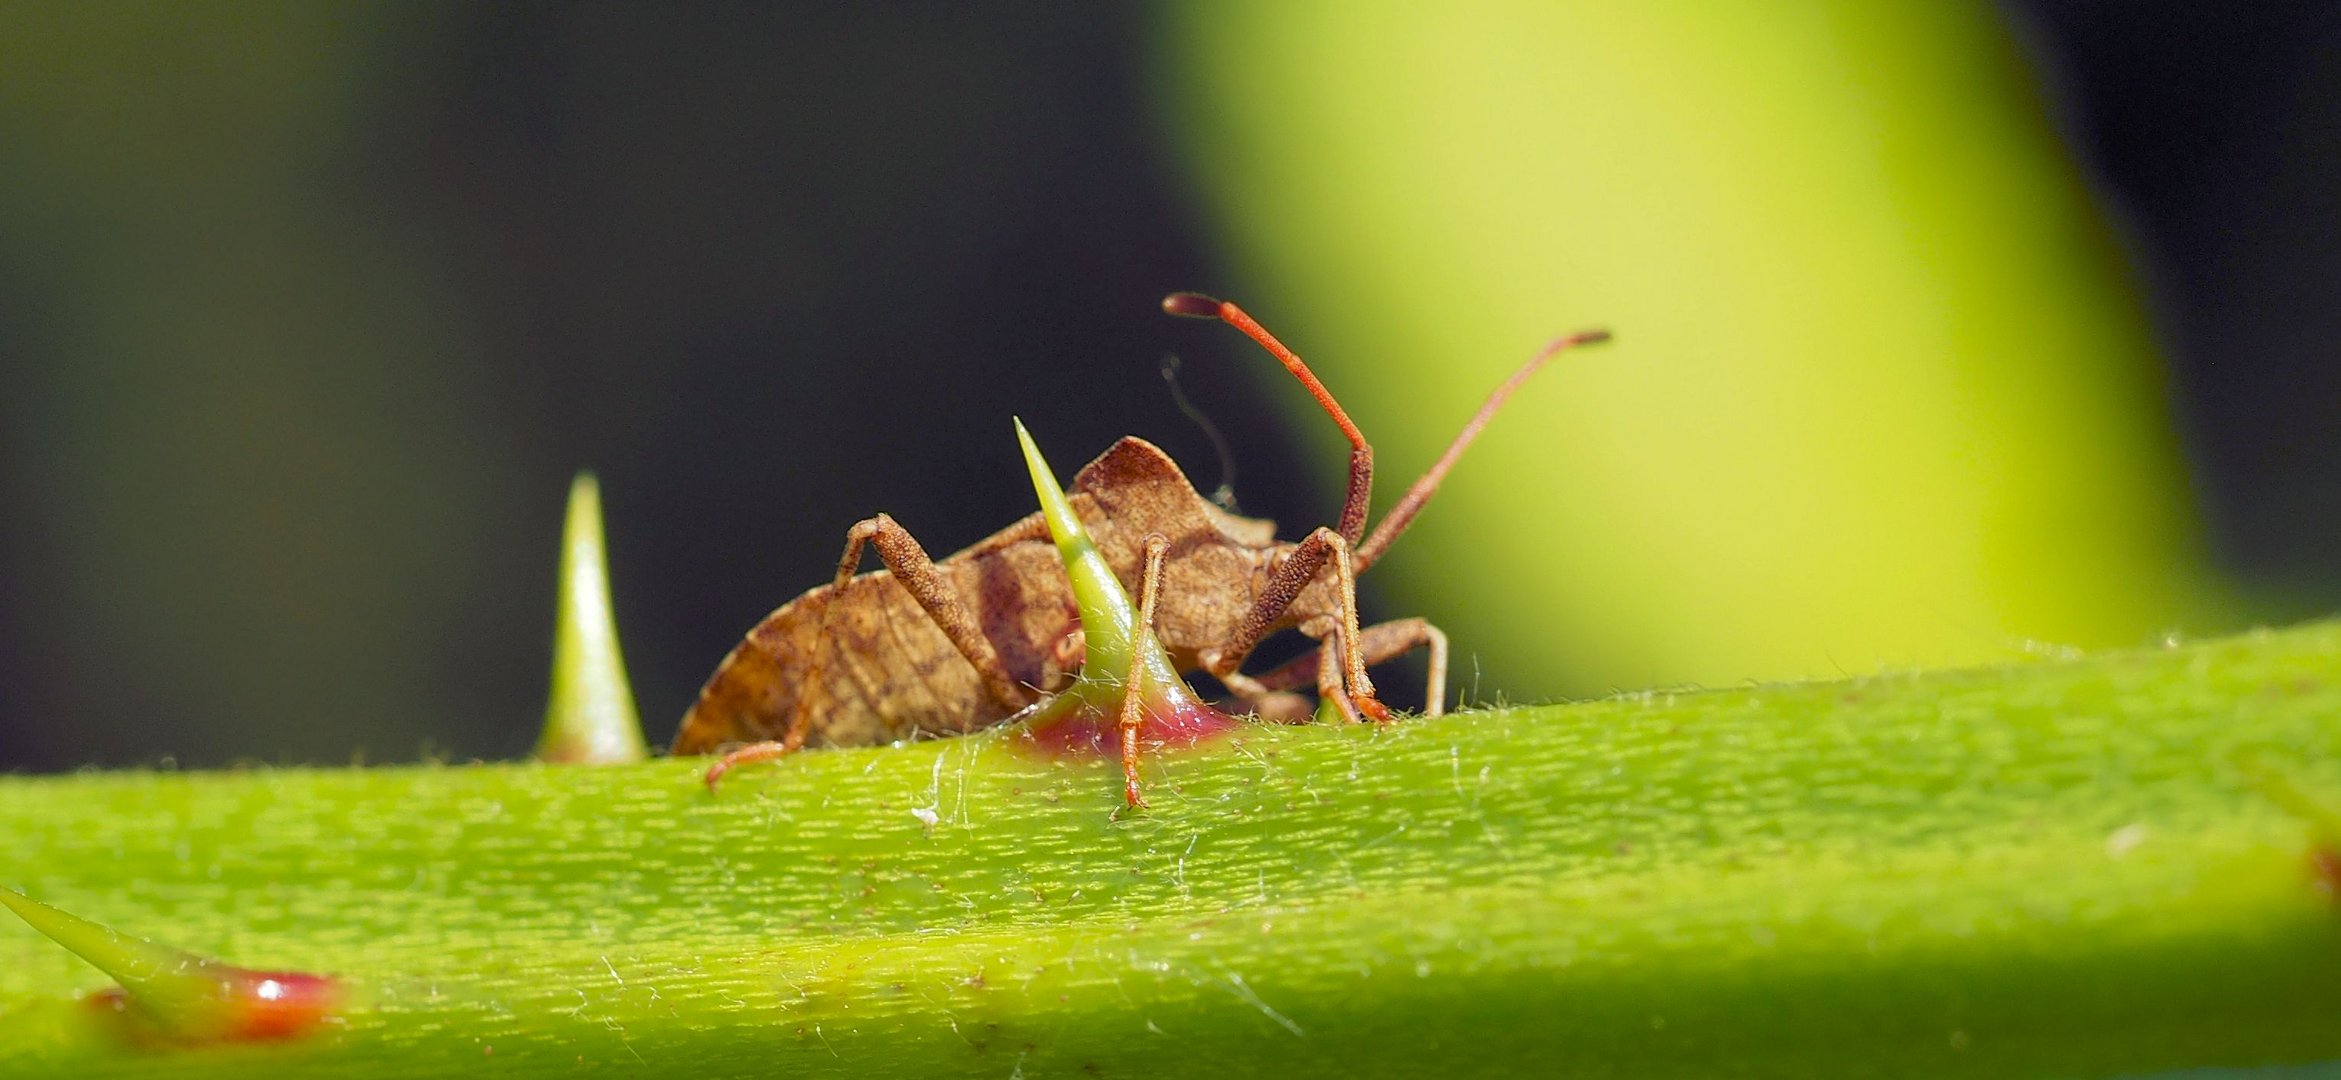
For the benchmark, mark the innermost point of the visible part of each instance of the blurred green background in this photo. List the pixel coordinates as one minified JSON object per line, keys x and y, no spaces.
{"x":1947,"y":333}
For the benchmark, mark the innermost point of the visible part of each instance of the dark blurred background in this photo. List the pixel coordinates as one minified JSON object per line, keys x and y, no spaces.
{"x":2212,"y":136}
{"x":307,"y":314}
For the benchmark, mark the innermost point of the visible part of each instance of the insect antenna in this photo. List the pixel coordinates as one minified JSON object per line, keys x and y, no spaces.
{"x":1352,"y":524}
{"x":1420,"y":492}
{"x":1225,"y":494}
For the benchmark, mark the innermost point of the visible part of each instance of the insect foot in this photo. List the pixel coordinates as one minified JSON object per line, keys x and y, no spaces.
{"x":1128,"y":694}
{"x":168,"y":996}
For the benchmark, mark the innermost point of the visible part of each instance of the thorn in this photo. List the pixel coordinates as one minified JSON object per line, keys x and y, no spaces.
{"x":589,"y":713}
{"x":1085,"y":718}
{"x":182,"y":997}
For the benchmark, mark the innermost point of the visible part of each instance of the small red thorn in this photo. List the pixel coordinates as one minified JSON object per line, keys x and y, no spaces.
{"x":257,"y":1006}
{"x":283,"y":1004}
{"x":1188,"y":305}
{"x":171,"y":996}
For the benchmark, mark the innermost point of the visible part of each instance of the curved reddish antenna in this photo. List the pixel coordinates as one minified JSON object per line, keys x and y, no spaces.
{"x":1420,"y":492}
{"x":1352,"y":523}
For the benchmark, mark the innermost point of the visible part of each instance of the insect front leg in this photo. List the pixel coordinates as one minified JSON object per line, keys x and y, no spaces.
{"x":1150,"y":583}
{"x":1332,"y":647}
{"x":1380,"y":643}
{"x":1356,"y":691}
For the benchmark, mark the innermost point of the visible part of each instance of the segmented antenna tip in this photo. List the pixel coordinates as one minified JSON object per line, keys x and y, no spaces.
{"x":1190,"y":306}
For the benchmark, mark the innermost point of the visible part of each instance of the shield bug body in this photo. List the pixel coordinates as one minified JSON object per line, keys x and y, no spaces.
{"x":944,"y":647}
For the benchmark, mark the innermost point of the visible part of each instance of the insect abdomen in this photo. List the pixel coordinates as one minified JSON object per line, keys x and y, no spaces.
{"x":877,"y":667}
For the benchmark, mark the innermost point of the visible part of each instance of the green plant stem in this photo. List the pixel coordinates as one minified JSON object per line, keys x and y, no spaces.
{"x":2052,"y":869}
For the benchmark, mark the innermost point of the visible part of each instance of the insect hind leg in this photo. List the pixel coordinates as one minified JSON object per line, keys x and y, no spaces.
{"x":747,"y":755}
{"x":908,"y":561}
{"x":916,"y":572}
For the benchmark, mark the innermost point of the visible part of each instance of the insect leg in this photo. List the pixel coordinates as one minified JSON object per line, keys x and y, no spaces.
{"x":1285,"y":586}
{"x":1401,"y":514}
{"x":911,"y":566}
{"x":1150,"y":583}
{"x":1379,"y":643}
{"x":792,"y":739}
{"x":748,"y":755}
{"x":1332,"y":647}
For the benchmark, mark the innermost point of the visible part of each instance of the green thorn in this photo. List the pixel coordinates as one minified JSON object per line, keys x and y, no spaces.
{"x":1109,"y":621}
{"x":590,"y":716}
{"x":1087,"y":711}
{"x":1328,"y":713}
{"x":1108,"y":618}
{"x":135,"y":963}
{"x":181,"y":995}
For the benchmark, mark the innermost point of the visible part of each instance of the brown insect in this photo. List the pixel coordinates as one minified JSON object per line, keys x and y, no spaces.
{"x":928,"y":648}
